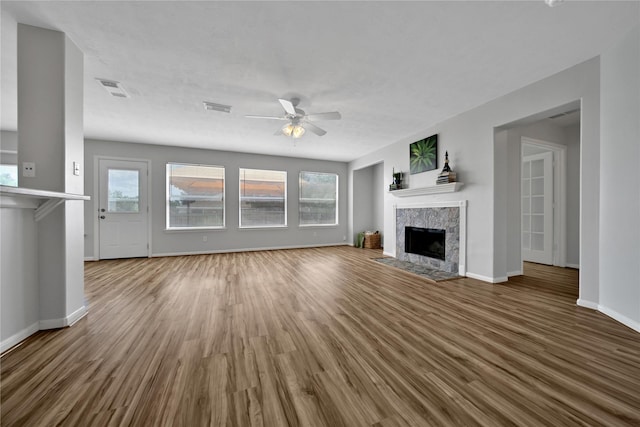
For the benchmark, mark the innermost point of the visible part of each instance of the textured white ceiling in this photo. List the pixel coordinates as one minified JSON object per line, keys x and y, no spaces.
{"x":391,"y":68}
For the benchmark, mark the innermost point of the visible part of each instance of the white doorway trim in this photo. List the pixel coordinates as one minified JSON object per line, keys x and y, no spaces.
{"x":95,"y":199}
{"x":559,"y":197}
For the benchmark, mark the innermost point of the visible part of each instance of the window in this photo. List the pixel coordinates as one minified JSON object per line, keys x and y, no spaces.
{"x":9,"y":175}
{"x":318,"y":198}
{"x":195,"y":196}
{"x":263,"y":198}
{"x":123,"y":191}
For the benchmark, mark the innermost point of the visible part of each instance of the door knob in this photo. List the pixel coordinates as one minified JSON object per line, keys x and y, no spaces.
{"x":101,"y":210}
{"x":102,"y":217}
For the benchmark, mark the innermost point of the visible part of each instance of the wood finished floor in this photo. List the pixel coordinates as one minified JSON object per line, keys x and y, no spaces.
{"x":322,"y":337}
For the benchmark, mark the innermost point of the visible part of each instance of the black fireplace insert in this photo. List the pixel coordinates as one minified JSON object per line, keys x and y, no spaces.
{"x":428,"y":242}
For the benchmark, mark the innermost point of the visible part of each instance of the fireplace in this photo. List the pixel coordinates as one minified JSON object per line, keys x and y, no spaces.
{"x":429,"y":242}
{"x":448,"y":217}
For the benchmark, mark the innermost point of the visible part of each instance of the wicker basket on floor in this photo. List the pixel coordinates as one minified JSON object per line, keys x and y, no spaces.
{"x":372,"y":241}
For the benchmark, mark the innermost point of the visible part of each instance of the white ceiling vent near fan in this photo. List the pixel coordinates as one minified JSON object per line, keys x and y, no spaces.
{"x":113,"y":88}
{"x":212,"y":106}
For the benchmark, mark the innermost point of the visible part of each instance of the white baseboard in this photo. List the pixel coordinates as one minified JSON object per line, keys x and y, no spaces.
{"x":388,"y":253}
{"x":18,"y":337}
{"x":226,"y":251}
{"x":587,"y":304}
{"x":487,"y":278}
{"x":633,"y":324}
{"x":76,"y":315}
{"x":620,"y":318}
{"x":89,"y":258}
{"x":576,"y":266}
{"x":515,"y":273}
{"x":65,"y":321}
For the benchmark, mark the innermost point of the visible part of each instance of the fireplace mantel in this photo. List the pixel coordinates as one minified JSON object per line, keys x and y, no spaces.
{"x":423,"y":191}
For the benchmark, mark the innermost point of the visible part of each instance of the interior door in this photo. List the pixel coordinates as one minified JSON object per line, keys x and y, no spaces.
{"x":537,"y":208}
{"x":123,"y":209}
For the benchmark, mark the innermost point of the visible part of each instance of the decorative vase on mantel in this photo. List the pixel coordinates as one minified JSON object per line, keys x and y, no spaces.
{"x":398,"y":177}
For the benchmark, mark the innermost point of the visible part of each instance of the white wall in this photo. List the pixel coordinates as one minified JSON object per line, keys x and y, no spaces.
{"x":469,"y":138}
{"x":230,"y":239}
{"x":620,"y":182}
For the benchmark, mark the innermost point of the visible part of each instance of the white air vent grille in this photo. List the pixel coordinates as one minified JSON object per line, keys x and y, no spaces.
{"x":212,"y":106}
{"x":113,"y":88}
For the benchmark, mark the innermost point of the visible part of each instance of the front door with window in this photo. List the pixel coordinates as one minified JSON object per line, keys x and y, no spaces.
{"x":123,"y":209}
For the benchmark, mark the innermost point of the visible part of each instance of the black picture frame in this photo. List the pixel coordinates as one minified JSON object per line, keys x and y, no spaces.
{"x":423,"y":155}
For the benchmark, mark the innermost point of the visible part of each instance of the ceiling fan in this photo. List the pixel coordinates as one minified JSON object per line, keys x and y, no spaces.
{"x":299,"y":121}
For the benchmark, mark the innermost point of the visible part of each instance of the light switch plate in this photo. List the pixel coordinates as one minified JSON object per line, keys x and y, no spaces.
{"x":76,"y":168}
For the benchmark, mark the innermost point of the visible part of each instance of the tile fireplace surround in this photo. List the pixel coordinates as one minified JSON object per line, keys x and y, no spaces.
{"x":449,"y":216}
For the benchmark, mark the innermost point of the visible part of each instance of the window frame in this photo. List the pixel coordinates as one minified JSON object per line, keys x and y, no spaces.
{"x":168,"y":199}
{"x":286,"y":200}
{"x":337,"y":218}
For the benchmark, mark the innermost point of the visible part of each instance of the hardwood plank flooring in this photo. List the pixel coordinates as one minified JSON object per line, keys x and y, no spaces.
{"x":322,"y":337}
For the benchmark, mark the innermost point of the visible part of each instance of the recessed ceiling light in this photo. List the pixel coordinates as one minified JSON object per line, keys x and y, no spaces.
{"x":113,"y":88}
{"x":212,"y":106}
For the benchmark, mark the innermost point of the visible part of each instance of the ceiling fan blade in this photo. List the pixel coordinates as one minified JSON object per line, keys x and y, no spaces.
{"x":313,"y":128}
{"x":267,"y":117}
{"x":288,"y":106}
{"x":334,"y":115}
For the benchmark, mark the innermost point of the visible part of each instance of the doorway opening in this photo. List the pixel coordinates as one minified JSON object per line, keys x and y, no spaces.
{"x":543,"y":189}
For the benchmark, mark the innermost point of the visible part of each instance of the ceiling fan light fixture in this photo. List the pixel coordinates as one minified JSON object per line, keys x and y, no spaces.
{"x":298,"y":131}
{"x":287,"y":129}
{"x":293,"y":130}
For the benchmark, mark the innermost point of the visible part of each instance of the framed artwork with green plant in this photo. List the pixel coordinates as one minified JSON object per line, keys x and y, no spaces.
{"x":423,"y":155}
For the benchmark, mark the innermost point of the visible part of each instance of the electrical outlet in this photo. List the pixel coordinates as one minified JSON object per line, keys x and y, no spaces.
{"x":204,"y":238}
{"x":315,"y":234}
{"x":344,"y":238}
{"x":29,"y":169}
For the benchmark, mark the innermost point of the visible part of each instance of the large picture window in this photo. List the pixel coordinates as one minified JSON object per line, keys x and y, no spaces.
{"x":263,"y":198}
{"x":318,"y":198}
{"x":195,"y":196}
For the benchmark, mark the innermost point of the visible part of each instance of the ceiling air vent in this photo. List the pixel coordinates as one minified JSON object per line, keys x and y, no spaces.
{"x":114,"y":88}
{"x":212,"y":106}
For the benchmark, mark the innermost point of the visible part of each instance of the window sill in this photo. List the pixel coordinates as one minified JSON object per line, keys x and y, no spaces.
{"x":263,"y":227}
{"x":193,"y":229}
{"x":319,"y":226}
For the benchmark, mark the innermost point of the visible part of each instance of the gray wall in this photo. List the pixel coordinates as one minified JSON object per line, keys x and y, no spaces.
{"x":362,"y":201}
{"x":378,"y":199}
{"x":572,"y":138}
{"x":368,"y":199}
{"x":18,"y":276}
{"x":8,"y":147}
{"x":231,"y":238}
{"x":620,"y":182}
